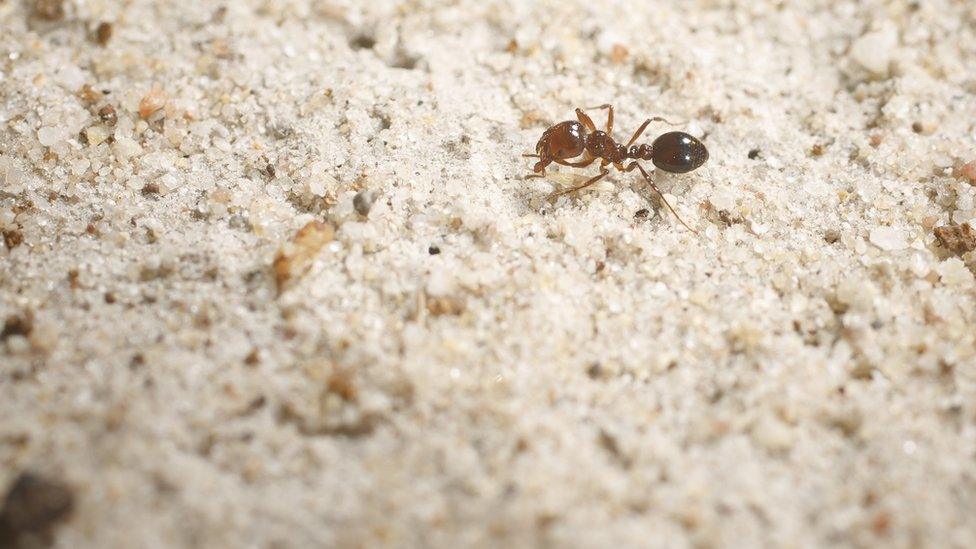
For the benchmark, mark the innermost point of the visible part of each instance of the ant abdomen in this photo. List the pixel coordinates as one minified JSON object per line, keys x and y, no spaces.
{"x":677,"y":152}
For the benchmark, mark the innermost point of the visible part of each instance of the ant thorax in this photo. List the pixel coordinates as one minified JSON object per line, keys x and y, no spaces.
{"x":601,"y":145}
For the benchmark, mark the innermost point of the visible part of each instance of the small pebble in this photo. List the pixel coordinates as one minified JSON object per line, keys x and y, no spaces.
{"x":51,"y":135}
{"x":722,"y":199}
{"x":239,"y":222}
{"x":966,"y":172}
{"x":873,"y":51}
{"x":80,"y":166}
{"x":17,"y":325}
{"x":108,"y":115}
{"x":440,"y":283}
{"x":12,"y":238}
{"x":855,"y":293}
{"x":44,"y":337}
{"x":167,"y":183}
{"x":70,"y":77}
{"x":253,"y":358}
{"x":17,"y":345}
{"x":295,"y":257}
{"x":618,"y":54}
{"x":888,"y":238}
{"x":152,"y":102}
{"x":89,"y":95}
{"x":321,"y":184}
{"x":918,"y":265}
{"x":33,"y":506}
{"x":96,"y":135}
{"x":773,"y":434}
{"x":953,"y":272}
{"x":363,"y":202}
{"x":957,"y":238}
{"x":848,"y":420}
{"x":445,"y":306}
{"x":126,"y":148}
{"x":49,"y":10}
{"x":103,"y":33}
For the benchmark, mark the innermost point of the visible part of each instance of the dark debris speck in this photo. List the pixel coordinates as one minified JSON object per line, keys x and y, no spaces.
{"x":34,"y":504}
{"x":957,"y":238}
{"x":17,"y":325}
{"x":108,"y":115}
{"x":103,"y":33}
{"x":363,"y":202}
{"x":12,"y":239}
{"x":49,"y":10}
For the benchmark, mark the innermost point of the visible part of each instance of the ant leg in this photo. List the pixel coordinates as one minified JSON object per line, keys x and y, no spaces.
{"x":609,"y":108}
{"x":585,"y":120}
{"x":638,"y":133}
{"x":539,"y":170}
{"x":659,"y":193}
{"x":529,"y":155}
{"x":589,"y":182}
{"x":581,"y":164}
{"x":643,"y":127}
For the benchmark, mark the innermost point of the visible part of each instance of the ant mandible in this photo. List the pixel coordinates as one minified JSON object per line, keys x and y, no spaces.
{"x":674,"y":152}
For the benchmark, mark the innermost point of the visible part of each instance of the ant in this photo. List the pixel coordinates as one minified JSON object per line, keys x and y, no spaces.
{"x":674,"y":152}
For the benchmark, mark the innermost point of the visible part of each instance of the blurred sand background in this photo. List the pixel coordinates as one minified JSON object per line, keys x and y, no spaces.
{"x":271,"y":276}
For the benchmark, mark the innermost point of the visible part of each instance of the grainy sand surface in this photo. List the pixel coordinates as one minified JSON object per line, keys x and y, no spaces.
{"x":271,"y":276}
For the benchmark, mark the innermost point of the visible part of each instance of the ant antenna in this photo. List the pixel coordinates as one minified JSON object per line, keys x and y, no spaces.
{"x":655,"y":119}
{"x":665,"y":200}
{"x":666,"y":121}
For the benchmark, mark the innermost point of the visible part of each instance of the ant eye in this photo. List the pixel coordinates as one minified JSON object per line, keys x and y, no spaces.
{"x":678,"y":152}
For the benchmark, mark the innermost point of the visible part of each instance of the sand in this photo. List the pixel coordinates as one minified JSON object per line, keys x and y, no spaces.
{"x":272,"y":276}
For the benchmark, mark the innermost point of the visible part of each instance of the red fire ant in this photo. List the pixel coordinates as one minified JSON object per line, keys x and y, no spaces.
{"x":674,"y":152}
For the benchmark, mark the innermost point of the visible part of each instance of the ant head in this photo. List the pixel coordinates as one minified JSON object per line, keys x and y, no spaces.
{"x":562,"y":141}
{"x":678,"y":152}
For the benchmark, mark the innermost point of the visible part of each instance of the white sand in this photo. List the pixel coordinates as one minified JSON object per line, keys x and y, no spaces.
{"x":567,"y":375}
